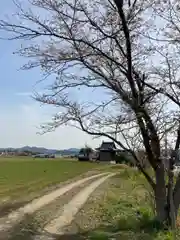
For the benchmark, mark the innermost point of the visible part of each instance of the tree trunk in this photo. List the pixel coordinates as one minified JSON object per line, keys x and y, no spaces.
{"x":176,"y":196}
{"x":170,"y":200}
{"x":160,"y":195}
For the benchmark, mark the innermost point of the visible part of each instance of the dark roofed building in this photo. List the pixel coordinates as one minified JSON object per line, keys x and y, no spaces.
{"x":107,"y":151}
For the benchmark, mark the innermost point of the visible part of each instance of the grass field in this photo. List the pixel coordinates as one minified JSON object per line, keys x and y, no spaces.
{"x":24,"y":176}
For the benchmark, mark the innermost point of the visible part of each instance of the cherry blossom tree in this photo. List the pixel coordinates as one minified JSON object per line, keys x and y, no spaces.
{"x":124,"y":52}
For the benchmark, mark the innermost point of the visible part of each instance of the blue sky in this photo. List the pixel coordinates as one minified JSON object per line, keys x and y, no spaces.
{"x":20,"y":115}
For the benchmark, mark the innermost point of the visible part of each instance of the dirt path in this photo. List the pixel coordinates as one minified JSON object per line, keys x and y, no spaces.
{"x":72,"y":208}
{"x":16,"y":219}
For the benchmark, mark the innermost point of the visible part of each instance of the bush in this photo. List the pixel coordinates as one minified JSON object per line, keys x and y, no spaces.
{"x":122,"y":158}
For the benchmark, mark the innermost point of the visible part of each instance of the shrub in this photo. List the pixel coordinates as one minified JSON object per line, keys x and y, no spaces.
{"x":122,"y":158}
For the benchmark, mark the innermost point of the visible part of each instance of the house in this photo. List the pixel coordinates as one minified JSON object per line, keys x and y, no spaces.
{"x":107,"y":151}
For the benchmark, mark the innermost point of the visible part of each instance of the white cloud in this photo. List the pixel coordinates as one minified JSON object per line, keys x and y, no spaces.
{"x":19,"y":127}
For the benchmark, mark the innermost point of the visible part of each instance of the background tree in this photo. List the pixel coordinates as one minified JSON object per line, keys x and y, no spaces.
{"x":108,"y":49}
{"x":86,"y":152}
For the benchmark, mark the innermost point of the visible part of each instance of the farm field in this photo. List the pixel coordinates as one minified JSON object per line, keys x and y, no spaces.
{"x":25,"y":177}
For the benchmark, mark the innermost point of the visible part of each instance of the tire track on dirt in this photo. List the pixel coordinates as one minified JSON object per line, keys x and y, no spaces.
{"x":14,"y":198}
{"x":71,"y":209}
{"x":34,"y":224}
{"x":17,"y":200}
{"x":56,"y":227}
{"x":16,"y":217}
{"x":54,"y":209}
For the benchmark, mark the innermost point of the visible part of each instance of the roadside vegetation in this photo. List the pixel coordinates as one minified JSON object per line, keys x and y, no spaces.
{"x":124,"y":211}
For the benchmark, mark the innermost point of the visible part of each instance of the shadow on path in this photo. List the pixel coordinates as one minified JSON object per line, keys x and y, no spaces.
{"x":8,"y":207}
{"x":125,"y":229}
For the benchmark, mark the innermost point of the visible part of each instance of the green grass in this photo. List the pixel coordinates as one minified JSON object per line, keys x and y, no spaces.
{"x":23,"y":176}
{"x":124,"y":211}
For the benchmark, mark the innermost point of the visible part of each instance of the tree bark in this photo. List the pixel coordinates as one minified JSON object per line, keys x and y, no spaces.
{"x":176,"y":192}
{"x":170,"y":199}
{"x":160,"y":195}
{"x":176,"y":196}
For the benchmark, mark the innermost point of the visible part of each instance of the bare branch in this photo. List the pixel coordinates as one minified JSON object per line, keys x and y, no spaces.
{"x":111,"y":75}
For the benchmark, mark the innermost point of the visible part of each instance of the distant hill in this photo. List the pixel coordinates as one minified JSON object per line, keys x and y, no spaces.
{"x":70,"y":151}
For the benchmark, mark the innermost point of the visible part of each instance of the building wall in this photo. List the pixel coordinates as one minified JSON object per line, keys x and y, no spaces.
{"x":106,"y":156}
